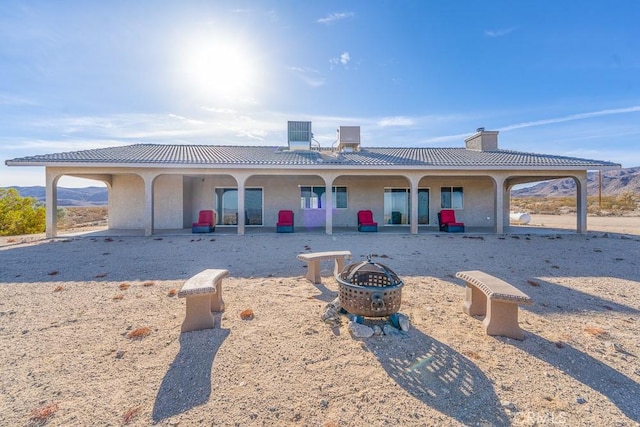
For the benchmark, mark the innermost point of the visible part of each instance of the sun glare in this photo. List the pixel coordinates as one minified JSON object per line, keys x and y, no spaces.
{"x":219,"y":68}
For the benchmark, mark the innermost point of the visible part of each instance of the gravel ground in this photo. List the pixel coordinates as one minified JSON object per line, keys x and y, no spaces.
{"x":68,"y":308}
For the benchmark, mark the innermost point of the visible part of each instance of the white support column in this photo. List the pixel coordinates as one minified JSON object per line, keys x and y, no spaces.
{"x":581,"y":203}
{"x":328,"y":202}
{"x":241,"y":180}
{"x":414,"y":205}
{"x":51,"y":203}
{"x":148,"y":203}
{"x":500,"y":195}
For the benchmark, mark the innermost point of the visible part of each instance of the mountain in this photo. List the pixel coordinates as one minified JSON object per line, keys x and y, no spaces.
{"x":87,"y":196}
{"x":614,"y":183}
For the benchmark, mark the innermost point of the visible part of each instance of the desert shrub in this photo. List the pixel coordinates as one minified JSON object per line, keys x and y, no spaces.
{"x":139,"y":333}
{"x":622,"y":202}
{"x":82,"y":216}
{"x":41,"y":414}
{"x":20,"y":215}
{"x":606,"y":205}
{"x":130,"y":414}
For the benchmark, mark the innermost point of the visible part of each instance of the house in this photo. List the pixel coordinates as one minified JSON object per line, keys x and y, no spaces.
{"x":162,"y":187}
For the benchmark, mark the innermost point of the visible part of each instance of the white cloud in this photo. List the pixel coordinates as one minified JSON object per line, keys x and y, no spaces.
{"x":572,"y":117}
{"x":256,"y":134}
{"x":343,"y":59}
{"x":41,"y":146}
{"x":309,"y":76}
{"x":186,"y":120}
{"x":334,"y":17}
{"x":219,"y":110}
{"x":498,"y":33}
{"x":396,"y":121}
{"x":13,"y":100}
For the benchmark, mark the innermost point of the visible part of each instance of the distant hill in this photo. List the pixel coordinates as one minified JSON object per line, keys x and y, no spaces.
{"x":614,"y":183}
{"x":87,"y":196}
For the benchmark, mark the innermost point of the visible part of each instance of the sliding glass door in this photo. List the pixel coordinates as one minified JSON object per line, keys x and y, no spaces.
{"x":397,"y":206}
{"x":227,"y":206}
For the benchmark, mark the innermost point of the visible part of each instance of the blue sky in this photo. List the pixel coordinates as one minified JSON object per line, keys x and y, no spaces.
{"x":554,"y":77}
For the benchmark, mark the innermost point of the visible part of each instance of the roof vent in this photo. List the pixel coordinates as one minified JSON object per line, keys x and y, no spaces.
{"x":349,"y":138}
{"x":299,"y":135}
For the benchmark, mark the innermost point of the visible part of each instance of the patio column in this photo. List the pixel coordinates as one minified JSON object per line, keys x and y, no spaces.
{"x":500,"y":194}
{"x":241,"y":210}
{"x":328,"y":202}
{"x":148,"y":203}
{"x":51,"y":204}
{"x":414,"y":205}
{"x":241,"y":179}
{"x":581,"y":203}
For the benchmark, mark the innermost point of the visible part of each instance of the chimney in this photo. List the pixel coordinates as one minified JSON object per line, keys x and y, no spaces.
{"x":482,"y":140}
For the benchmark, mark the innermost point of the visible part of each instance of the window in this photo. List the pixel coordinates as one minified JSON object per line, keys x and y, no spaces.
{"x":451,"y":197}
{"x":312,"y":197}
{"x":423,"y":206}
{"x":226,"y":203}
{"x":253,"y":206}
{"x":339,"y":197}
{"x":227,"y":206}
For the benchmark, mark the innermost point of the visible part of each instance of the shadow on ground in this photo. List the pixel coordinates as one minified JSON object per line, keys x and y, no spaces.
{"x":621,"y":390}
{"x":187,"y":383}
{"x":549,"y":299}
{"x":440,"y":377}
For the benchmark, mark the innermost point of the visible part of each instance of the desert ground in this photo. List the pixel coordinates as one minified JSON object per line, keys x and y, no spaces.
{"x":90,"y":332}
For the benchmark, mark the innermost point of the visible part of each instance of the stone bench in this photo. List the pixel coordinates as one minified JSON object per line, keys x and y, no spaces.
{"x":497,"y":300}
{"x":313,"y":263}
{"x":204,"y":296}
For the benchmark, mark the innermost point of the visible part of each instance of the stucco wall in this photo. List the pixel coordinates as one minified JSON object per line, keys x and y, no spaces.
{"x":202,"y":194}
{"x":479,"y":201}
{"x":283,"y":192}
{"x":368,"y":193}
{"x":168,"y":202}
{"x":178,"y":200}
{"x":187,"y":201}
{"x":126,"y":202}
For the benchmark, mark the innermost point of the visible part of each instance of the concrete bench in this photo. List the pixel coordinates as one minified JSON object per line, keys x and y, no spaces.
{"x":204,"y":295}
{"x":495,"y":298}
{"x":313,"y":263}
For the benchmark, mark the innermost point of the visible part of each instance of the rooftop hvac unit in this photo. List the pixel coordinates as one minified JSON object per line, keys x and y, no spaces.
{"x":349,"y":138}
{"x":299,"y":135}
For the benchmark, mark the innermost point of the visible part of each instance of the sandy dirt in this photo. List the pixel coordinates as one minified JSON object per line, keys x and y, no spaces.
{"x":613,"y":224}
{"x":68,"y":308}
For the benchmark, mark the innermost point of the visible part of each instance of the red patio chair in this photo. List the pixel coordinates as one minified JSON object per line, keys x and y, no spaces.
{"x":365,"y":221}
{"x":206,"y":222}
{"x":447,"y":221}
{"x":285,"y":222}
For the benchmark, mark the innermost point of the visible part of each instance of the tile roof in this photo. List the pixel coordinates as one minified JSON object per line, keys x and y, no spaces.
{"x":225,"y":155}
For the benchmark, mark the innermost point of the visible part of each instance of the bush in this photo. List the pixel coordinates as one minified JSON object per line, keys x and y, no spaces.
{"x":20,"y":215}
{"x":607,"y":205}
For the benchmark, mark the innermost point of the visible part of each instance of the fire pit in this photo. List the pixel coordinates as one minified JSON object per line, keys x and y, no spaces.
{"x":369,"y":289}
